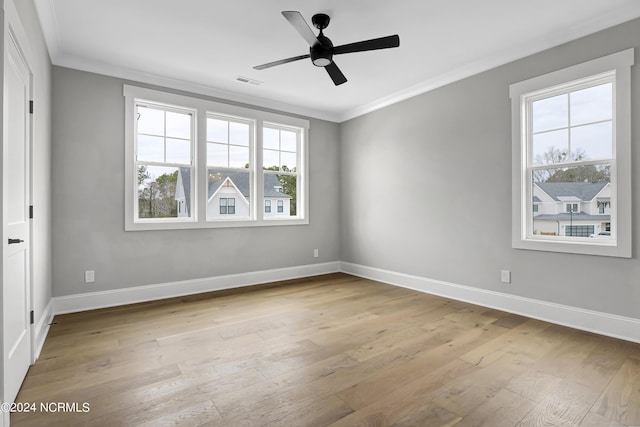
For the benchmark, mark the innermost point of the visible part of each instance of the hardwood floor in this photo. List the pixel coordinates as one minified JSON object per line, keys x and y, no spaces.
{"x":331,"y":350}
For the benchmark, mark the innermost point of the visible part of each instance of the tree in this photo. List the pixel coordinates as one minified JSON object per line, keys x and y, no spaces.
{"x":143,"y":174}
{"x":156,"y":199}
{"x":585,"y":173}
{"x":555,"y":156}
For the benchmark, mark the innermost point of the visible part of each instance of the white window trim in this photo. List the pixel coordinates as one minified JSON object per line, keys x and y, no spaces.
{"x":620,"y":63}
{"x":202,"y":107}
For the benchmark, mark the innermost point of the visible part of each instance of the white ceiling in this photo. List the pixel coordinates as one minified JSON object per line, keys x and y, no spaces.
{"x":204,"y":45}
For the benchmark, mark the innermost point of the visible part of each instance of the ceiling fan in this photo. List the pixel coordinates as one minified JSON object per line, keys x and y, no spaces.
{"x":321,"y":50}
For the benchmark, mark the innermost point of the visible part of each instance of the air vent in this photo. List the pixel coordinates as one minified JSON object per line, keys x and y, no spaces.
{"x":248,"y":80}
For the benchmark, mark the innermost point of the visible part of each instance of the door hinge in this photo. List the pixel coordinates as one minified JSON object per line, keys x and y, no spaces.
{"x":30,"y":107}
{"x":31,"y":317}
{"x":31,"y":212}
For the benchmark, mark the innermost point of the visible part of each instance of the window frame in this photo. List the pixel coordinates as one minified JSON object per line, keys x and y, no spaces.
{"x":165,"y":108}
{"x":299,"y":137}
{"x":202,"y":108}
{"x":521,"y":93}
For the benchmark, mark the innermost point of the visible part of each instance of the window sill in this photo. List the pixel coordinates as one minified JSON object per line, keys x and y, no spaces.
{"x":189,"y":225}
{"x":610,"y":248}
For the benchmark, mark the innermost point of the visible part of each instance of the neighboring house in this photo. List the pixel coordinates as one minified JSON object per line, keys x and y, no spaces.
{"x":571,"y":208}
{"x":229,"y":194}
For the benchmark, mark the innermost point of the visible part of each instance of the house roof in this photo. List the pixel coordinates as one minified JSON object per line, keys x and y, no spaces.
{"x":241,"y":180}
{"x":585,"y":191}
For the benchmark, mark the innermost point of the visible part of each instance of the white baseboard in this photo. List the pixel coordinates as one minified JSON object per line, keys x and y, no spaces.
{"x":41,"y":330}
{"x":116,"y":297}
{"x":615,"y":326}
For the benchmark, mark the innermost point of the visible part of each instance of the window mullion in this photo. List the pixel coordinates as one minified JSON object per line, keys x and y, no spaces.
{"x":259,"y":170}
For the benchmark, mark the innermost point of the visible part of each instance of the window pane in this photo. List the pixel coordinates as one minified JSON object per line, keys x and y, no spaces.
{"x":282,"y":189}
{"x":178,"y":151}
{"x":238,"y":157}
{"x":570,"y":197}
{"x":234,"y":187}
{"x":217,"y":155}
{"x":288,"y":141}
{"x":150,"y":121}
{"x":178,"y":125}
{"x":150,"y":148}
{"x":217,"y":130}
{"x":161,"y":190}
{"x":289,"y":161}
{"x":592,"y":104}
{"x":239,"y":133}
{"x":271,"y":159}
{"x":550,"y":113}
{"x":550,"y":147}
{"x":271,"y":138}
{"x":593,"y":141}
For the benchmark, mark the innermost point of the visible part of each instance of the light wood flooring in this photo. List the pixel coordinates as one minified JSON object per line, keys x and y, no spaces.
{"x":331,"y":350}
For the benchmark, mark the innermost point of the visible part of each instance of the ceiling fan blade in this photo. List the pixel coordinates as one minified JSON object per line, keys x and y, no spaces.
{"x":373,"y":44}
{"x":335,"y":74}
{"x":301,"y":26}
{"x":280,"y":62}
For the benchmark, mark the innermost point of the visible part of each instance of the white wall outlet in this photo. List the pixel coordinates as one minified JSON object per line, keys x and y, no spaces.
{"x":505,"y":276}
{"x":89,"y":276}
{"x":316,"y":253}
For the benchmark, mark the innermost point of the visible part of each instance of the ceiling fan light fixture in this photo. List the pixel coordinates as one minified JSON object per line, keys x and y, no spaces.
{"x":321,"y":62}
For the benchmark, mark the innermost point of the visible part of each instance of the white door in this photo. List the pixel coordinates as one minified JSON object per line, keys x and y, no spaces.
{"x":16,"y":162}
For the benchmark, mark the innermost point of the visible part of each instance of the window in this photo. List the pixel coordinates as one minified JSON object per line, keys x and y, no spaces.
{"x":571,"y":207}
{"x":280,"y":160}
{"x":571,"y":144}
{"x":194,"y":163}
{"x":229,"y":160}
{"x":535,"y":208}
{"x":227,"y":206}
{"x":163,"y":159}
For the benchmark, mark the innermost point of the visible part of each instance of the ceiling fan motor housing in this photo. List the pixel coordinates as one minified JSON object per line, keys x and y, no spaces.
{"x":321,"y":53}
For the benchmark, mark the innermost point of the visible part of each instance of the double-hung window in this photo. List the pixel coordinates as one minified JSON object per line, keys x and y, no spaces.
{"x":229,"y":164}
{"x":164,"y":147}
{"x":280,"y":159}
{"x":195,"y":163}
{"x":571,"y":154}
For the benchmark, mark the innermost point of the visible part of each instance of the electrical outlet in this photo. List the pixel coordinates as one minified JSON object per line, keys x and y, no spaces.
{"x":89,"y":276}
{"x":316,"y":253}
{"x":505,"y":276}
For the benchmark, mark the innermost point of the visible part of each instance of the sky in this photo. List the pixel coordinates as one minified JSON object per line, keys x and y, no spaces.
{"x":577,"y":122}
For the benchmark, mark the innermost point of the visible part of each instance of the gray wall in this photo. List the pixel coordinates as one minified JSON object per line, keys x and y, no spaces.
{"x":426,"y":189}
{"x":88,"y":204}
